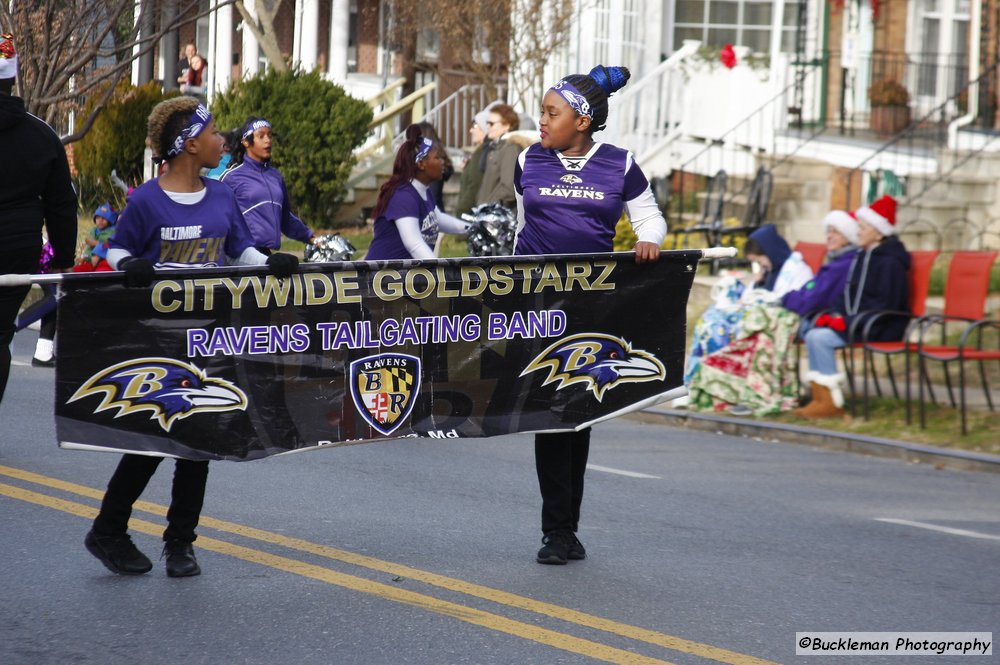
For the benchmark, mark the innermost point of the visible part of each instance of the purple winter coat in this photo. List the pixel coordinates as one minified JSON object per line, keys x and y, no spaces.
{"x":263,"y":199}
{"x":825,"y":290}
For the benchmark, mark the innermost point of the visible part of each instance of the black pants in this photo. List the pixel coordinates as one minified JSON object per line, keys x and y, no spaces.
{"x":130,"y":479}
{"x":561,"y":461}
{"x":18,"y":262}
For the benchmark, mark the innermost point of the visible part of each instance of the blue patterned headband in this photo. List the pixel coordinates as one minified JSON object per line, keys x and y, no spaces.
{"x":573,"y":97}
{"x":254,"y":126}
{"x":195,"y":126}
{"x":425,"y":148}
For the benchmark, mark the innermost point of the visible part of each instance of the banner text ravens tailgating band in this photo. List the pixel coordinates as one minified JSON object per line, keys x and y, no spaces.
{"x":235,"y":364}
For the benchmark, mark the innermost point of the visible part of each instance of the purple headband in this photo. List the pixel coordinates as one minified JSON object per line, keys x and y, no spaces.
{"x":425,"y":148}
{"x":573,"y":97}
{"x":254,"y":126}
{"x":195,"y":125}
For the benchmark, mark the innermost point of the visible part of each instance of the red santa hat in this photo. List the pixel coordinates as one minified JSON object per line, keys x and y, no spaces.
{"x":880,"y":215}
{"x":8,"y":57}
{"x":844,"y":222}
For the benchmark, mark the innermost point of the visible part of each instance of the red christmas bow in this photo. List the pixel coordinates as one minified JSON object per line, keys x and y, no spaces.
{"x":728,"y":56}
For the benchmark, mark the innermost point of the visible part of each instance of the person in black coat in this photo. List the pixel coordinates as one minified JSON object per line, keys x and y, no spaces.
{"x":876,"y":281}
{"x":36,"y":190}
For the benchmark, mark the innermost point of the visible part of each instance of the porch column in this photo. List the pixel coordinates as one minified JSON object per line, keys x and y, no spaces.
{"x":169,"y":48}
{"x":306,"y":42}
{"x":340,"y":24}
{"x":145,"y":63}
{"x":251,"y":48}
{"x":223,"y":53}
{"x":777,"y":25}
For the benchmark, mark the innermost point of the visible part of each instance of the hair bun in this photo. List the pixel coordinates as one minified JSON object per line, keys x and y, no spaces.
{"x":610,"y":79}
{"x":413,"y":133}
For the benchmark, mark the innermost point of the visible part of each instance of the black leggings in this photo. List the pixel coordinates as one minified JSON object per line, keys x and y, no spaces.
{"x":561,"y":461}
{"x":130,"y":479}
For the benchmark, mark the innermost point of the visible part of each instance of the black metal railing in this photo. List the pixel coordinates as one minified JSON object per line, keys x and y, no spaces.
{"x":916,"y":146}
{"x":928,"y":78}
{"x":792,"y":117}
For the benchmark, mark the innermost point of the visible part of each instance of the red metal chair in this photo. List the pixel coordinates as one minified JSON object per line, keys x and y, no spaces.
{"x":921,"y":263}
{"x":965,"y":302}
{"x":812,"y":253}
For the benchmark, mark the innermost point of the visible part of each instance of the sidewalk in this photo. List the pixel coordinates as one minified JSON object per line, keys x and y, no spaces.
{"x":822,"y":438}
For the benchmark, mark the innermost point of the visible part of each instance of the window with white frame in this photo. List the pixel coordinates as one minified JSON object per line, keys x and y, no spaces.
{"x":619,"y":33}
{"x":739,"y":22}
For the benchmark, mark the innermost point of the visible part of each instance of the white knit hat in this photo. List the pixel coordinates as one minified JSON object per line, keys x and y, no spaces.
{"x":844,"y":222}
{"x":880,"y":215}
{"x":483,"y":116}
{"x":8,"y":57}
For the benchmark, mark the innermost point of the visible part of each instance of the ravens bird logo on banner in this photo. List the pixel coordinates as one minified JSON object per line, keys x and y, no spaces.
{"x":168,"y":388}
{"x":600,"y":362}
{"x":384,"y":389}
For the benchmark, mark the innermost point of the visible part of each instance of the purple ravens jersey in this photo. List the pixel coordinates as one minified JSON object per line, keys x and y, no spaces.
{"x":572,"y":204}
{"x":405,"y":202}
{"x":176,"y":235}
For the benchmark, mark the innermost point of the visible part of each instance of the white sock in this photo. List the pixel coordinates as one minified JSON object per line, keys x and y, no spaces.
{"x":43,"y":350}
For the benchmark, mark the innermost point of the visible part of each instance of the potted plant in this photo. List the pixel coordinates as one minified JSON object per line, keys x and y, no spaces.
{"x":890,"y":110}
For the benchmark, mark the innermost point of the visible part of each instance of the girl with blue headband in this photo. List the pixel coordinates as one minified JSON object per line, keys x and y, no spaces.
{"x":571,"y":191}
{"x":407,"y":221}
{"x":260,"y":188}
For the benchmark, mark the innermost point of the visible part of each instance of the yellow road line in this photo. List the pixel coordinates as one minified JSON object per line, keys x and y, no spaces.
{"x":460,"y":586}
{"x":470,"y":615}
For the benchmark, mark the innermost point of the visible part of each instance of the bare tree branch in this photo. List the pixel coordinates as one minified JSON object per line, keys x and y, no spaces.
{"x":263,"y":30}
{"x":62,"y":43}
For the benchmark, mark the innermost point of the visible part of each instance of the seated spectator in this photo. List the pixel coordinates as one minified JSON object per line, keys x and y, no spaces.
{"x":779,"y":269}
{"x":825,"y":290}
{"x":740,"y":360}
{"x":876,"y":280}
{"x":95,"y":251}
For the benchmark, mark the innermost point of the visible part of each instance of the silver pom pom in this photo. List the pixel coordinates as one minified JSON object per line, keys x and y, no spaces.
{"x":329,"y":248}
{"x":491,"y":230}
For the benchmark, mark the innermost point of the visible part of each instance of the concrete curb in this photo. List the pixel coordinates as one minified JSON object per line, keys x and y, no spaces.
{"x":866,"y":445}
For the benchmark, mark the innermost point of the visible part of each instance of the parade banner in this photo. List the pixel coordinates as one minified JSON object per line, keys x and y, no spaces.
{"x":236,"y":364}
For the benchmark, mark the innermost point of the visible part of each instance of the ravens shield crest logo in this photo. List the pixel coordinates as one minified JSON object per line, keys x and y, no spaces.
{"x":384,"y":388}
{"x":600,"y":362}
{"x":169,"y":389}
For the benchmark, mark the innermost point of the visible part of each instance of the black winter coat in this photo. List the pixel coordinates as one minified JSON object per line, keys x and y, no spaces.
{"x":36,"y":185}
{"x":878,"y":279}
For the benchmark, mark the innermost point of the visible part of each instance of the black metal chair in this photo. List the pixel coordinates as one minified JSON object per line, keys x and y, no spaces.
{"x":711,"y":213}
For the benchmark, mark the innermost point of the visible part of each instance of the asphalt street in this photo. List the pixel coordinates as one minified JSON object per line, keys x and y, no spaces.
{"x":702,"y":548}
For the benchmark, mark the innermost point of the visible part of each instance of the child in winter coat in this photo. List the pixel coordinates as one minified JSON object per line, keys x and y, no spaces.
{"x":96,"y":251}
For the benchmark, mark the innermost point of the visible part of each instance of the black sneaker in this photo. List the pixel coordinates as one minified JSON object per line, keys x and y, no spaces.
{"x":555,"y":550}
{"x":118,"y":554}
{"x":576,"y":550}
{"x":180,"y":559}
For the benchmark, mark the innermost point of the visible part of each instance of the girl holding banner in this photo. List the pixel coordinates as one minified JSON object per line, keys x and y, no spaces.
{"x":177,"y":220}
{"x":407,"y":220}
{"x":551,"y":220}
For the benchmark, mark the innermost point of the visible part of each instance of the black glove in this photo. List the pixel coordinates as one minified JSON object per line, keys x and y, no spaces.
{"x":139,"y":272}
{"x":283,"y":265}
